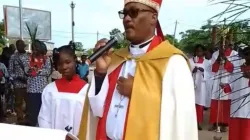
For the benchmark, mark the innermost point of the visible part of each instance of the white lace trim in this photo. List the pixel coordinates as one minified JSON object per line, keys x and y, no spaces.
{"x":149,"y":3}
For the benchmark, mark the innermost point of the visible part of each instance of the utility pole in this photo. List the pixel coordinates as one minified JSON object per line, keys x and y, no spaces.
{"x":72,"y":5}
{"x":21,"y":18}
{"x":175,"y":28}
{"x":97,"y":35}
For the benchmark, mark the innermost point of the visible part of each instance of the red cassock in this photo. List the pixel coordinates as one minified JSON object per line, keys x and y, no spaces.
{"x":239,"y":129}
{"x":199,"y":113}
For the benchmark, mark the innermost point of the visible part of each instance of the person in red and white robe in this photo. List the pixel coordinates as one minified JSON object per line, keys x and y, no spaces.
{"x":199,"y":69}
{"x":239,"y":126}
{"x":224,"y":63}
{"x":63,"y":100}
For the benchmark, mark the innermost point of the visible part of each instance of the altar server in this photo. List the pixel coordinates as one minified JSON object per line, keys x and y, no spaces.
{"x":63,"y":100}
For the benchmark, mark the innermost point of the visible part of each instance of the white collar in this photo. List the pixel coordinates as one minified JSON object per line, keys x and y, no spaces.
{"x":135,"y":51}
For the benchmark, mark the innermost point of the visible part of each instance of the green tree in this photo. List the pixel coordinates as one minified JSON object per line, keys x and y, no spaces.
{"x":172,"y":40}
{"x":122,"y":44}
{"x":114,"y":31}
{"x":90,"y":51}
{"x":241,"y":32}
{"x":2,"y":34}
{"x":79,"y":46}
{"x":192,"y":37}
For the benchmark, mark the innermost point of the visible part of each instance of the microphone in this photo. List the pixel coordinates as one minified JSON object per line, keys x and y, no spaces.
{"x":99,"y":52}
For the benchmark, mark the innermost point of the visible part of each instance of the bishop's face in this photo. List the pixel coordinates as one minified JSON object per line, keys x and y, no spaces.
{"x":138,"y":21}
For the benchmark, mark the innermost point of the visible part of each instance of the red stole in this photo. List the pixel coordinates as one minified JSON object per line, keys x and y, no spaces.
{"x":228,"y":52}
{"x":74,"y":86}
{"x":113,"y":76}
{"x":200,"y":60}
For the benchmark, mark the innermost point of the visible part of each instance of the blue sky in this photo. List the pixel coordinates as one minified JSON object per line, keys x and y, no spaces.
{"x":101,"y":16}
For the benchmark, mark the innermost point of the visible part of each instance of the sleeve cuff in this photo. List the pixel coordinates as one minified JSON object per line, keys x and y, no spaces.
{"x":228,"y":66}
{"x":227,"y":89}
{"x":215,"y":67}
{"x":97,"y":101}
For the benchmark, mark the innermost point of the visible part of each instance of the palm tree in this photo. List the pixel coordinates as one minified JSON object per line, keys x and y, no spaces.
{"x":32,"y":29}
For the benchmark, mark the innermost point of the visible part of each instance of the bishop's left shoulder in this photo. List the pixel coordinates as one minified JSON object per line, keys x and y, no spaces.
{"x":172,"y":49}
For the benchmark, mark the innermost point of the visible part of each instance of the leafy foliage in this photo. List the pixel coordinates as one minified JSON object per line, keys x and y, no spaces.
{"x":122,"y":44}
{"x":79,"y":46}
{"x":2,"y":35}
{"x":190,"y":38}
{"x":90,"y":51}
{"x":32,"y":29}
{"x":172,"y":40}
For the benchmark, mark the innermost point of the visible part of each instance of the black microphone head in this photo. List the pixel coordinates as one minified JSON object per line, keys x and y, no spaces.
{"x":119,"y":37}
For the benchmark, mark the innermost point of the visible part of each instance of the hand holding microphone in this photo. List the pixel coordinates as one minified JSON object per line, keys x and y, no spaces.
{"x":103,"y":62}
{"x":102,"y":51}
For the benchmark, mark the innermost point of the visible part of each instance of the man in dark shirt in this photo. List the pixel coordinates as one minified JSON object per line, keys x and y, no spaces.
{"x":17,"y":74}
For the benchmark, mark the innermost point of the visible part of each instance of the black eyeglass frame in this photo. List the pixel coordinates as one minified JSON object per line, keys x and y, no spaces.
{"x":122,"y":15}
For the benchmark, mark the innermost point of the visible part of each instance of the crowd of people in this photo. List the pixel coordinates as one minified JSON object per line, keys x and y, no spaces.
{"x":222,"y":84}
{"x":23,"y":78}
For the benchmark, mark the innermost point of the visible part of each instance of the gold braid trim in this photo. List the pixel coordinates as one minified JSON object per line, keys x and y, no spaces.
{"x":149,"y":3}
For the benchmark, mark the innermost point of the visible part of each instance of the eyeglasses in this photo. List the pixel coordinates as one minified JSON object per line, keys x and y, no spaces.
{"x":133,"y":13}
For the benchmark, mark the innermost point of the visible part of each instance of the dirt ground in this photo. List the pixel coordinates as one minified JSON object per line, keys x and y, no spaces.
{"x":207,"y":135}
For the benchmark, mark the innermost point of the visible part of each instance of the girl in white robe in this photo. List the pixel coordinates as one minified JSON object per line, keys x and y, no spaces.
{"x":198,"y":66}
{"x":239,"y":126}
{"x":63,"y":100}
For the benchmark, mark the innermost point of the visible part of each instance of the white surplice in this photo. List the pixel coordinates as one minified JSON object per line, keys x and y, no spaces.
{"x":61,"y":110}
{"x":178,"y":114}
{"x":209,"y":83}
{"x":199,"y":81}
{"x":240,"y":106}
{"x":222,"y":76}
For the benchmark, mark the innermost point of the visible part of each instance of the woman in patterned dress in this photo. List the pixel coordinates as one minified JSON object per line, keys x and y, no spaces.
{"x":38,"y":70}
